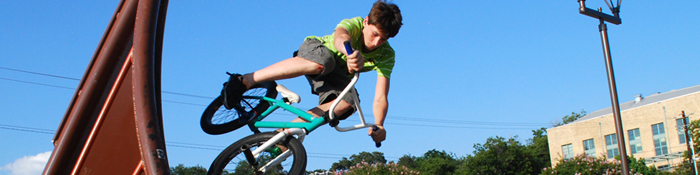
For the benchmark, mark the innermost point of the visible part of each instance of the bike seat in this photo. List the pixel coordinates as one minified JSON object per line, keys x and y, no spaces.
{"x":287,"y":95}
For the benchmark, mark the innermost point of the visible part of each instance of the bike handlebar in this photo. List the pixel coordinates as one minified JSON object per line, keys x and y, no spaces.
{"x":352,"y":83}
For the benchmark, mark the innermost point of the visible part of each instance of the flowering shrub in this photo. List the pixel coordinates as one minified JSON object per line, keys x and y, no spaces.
{"x":364,"y":168}
{"x":583,"y":164}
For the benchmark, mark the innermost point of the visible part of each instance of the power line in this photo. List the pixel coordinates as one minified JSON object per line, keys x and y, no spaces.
{"x":461,"y":127}
{"x":188,"y":95}
{"x":192,"y":147}
{"x":464,"y":122}
{"x":69,"y":78}
{"x":199,"y":145}
{"x":184,"y":103}
{"x":36,"y":73}
{"x":396,"y":117}
{"x":26,"y":129}
{"x":42,"y":84}
{"x":505,"y":125}
{"x":175,"y":144}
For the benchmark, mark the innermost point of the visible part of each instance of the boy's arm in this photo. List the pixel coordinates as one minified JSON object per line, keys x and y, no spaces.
{"x":341,"y":35}
{"x":355,"y":60}
{"x":380,"y":108}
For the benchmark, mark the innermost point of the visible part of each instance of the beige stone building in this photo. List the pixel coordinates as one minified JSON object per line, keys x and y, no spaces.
{"x":651,"y":129}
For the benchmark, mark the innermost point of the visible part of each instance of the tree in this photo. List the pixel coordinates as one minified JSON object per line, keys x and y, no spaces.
{"x":436,"y":162}
{"x":182,"y":170}
{"x":242,"y":167}
{"x":432,"y":162}
{"x":571,"y":118}
{"x":640,"y":167}
{"x":538,"y":148}
{"x":370,"y":158}
{"x":496,"y":156}
{"x":408,"y":161}
{"x":684,"y":168}
{"x":694,"y":132}
{"x":499,"y":156}
{"x":343,"y":164}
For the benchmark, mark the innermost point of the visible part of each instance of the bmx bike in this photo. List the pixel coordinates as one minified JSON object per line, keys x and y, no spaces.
{"x":268,"y":152}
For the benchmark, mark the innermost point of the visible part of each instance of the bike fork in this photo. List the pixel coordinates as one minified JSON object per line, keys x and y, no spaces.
{"x":251,"y":159}
{"x":286,"y":132}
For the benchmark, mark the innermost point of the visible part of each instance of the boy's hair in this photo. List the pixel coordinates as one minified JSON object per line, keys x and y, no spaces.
{"x":386,"y":16}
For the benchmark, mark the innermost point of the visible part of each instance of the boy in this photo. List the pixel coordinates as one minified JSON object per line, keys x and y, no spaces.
{"x":328,"y":68}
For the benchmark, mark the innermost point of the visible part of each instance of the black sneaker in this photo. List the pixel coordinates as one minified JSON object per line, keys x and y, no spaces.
{"x":233,"y":90}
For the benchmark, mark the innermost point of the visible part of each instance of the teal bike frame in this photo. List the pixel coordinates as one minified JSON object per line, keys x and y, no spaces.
{"x":314,"y":123}
{"x":300,"y":129}
{"x":276,"y":104}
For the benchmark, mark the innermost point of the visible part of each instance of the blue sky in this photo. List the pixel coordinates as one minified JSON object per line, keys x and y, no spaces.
{"x":465,"y":70}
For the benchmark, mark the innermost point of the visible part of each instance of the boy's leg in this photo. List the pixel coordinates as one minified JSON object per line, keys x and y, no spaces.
{"x":321,"y":110}
{"x":289,"y":68}
{"x":312,"y":59}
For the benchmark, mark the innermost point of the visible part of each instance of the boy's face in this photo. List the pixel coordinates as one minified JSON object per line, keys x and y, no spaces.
{"x":372,"y":36}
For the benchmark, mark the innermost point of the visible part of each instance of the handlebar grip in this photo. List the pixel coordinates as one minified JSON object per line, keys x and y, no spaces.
{"x":377,"y":144}
{"x":348,"y":47}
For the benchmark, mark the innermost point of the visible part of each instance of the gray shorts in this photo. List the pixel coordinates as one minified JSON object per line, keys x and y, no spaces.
{"x":334,"y":77}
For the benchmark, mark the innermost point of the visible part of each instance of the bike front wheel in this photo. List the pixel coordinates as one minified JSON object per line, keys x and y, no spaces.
{"x":233,"y":160}
{"x":216,"y":119}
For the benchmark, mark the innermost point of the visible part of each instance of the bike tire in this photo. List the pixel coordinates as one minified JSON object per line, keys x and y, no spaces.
{"x":233,"y":160}
{"x":216,"y":119}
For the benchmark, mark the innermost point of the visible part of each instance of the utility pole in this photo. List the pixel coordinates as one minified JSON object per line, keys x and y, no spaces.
{"x":602,"y":17}
{"x":689,"y":143}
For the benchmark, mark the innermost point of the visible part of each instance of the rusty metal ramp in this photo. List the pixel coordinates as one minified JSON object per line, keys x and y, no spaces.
{"x":113,"y":124}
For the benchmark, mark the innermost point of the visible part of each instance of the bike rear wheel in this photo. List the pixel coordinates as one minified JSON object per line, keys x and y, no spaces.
{"x":216,"y":119}
{"x":233,"y":159}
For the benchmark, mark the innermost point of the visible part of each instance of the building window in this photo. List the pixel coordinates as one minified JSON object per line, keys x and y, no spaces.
{"x":681,"y":129}
{"x":611,"y":145}
{"x":568,"y":151}
{"x":589,"y":147}
{"x":635,"y":141}
{"x":660,"y":145}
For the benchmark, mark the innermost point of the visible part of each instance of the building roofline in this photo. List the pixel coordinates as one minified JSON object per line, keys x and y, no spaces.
{"x":651,"y":99}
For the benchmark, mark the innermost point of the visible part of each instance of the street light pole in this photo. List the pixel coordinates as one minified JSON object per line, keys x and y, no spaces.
{"x":611,"y":76}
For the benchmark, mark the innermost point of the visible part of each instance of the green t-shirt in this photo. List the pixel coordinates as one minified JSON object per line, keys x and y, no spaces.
{"x":380,"y":60}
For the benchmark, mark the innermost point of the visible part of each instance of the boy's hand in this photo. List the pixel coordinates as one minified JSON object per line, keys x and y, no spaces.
{"x":355,"y":62}
{"x":378,"y":135}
